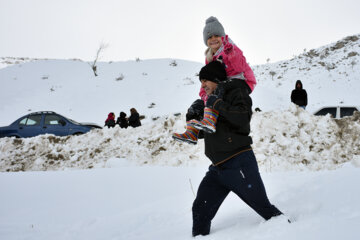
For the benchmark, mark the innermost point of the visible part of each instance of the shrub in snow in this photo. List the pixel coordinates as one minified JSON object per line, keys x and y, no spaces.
{"x":353,"y":63}
{"x":121,"y":77}
{"x":272,"y":74}
{"x":173,"y":63}
{"x":152,"y":105}
{"x":330,"y":66}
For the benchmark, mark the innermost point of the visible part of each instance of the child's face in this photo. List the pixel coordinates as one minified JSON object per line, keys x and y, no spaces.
{"x":214,"y":43}
{"x":208,"y":86}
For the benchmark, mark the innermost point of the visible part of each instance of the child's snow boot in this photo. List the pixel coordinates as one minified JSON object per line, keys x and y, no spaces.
{"x":208,"y":124}
{"x":189,"y":136}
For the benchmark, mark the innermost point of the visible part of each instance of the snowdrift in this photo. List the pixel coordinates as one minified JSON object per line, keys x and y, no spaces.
{"x":292,"y":139}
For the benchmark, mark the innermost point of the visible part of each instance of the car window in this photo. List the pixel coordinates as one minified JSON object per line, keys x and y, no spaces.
{"x":23,"y":121}
{"x":33,"y":120}
{"x":324,"y":111}
{"x":52,"y":119}
{"x":347,"y":111}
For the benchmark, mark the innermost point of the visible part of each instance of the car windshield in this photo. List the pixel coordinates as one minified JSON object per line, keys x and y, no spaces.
{"x":72,"y":121}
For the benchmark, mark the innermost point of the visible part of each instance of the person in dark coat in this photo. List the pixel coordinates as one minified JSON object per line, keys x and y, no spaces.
{"x":234,"y":167}
{"x":110,"y":121}
{"x":122,"y":120}
{"x":134,"y":119}
{"x":299,"y":95}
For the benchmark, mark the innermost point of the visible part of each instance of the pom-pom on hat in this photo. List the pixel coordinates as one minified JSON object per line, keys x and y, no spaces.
{"x":214,"y":71}
{"x":212,"y":27}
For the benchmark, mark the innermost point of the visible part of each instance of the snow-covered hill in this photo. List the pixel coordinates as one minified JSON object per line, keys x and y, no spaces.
{"x":283,"y":135}
{"x":8,"y":61}
{"x":131,"y":188}
{"x":330,"y":75}
{"x":69,"y":87}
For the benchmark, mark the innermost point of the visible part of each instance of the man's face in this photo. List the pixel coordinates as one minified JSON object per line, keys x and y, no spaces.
{"x":208,"y":86}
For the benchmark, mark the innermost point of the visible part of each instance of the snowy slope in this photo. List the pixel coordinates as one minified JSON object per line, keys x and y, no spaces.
{"x":283,"y":135}
{"x":330,"y":75}
{"x":138,"y":184}
{"x":9,"y":61}
{"x":70,"y":88}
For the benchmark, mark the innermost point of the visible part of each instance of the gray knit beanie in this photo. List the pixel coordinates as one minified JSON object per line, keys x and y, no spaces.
{"x":212,"y":27}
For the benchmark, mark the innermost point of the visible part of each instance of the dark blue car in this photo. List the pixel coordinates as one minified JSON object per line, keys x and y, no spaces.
{"x":45,"y":122}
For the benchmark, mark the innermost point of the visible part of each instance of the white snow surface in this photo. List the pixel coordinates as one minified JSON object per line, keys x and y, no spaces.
{"x":152,"y":202}
{"x":139,"y":183}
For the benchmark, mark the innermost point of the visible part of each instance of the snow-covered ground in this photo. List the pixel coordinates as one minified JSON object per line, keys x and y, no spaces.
{"x":137,"y":203}
{"x":138,"y":183}
{"x":330,"y":75}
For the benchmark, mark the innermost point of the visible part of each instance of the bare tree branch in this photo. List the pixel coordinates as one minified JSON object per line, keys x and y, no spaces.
{"x":101,"y":48}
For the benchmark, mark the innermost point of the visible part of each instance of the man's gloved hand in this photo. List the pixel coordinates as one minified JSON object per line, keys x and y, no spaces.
{"x":196,"y":110}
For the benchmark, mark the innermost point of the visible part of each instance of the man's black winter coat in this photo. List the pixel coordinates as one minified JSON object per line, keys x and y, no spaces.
{"x":233,"y":124}
{"x":134,"y":120}
{"x":299,"y":95}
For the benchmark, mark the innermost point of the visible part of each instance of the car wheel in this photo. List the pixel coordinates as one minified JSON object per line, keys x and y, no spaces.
{"x":78,"y":133}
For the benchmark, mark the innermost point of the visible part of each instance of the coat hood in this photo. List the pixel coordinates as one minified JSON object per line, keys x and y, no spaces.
{"x":122,"y":115}
{"x":301,"y":86}
{"x":111,"y":116}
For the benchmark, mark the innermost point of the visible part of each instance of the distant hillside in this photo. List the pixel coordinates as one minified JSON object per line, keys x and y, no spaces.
{"x":330,"y":74}
{"x":69,"y":87}
{"x":285,"y":136}
{"x":8,"y":61}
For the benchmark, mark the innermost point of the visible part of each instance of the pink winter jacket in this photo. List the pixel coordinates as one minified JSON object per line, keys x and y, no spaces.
{"x":236,"y":66}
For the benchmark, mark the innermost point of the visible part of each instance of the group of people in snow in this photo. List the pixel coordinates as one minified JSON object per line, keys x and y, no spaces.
{"x":123,"y":121}
{"x":222,"y":118}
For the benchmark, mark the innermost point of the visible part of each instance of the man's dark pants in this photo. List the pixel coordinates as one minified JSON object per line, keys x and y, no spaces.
{"x":239,"y":175}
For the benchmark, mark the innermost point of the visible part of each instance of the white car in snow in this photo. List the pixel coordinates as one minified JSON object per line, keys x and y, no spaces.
{"x":337,"y":111}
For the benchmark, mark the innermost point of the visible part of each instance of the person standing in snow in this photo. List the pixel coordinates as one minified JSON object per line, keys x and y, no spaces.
{"x":122,"y":121}
{"x":110,"y":121}
{"x":234,"y":167}
{"x":299,"y":95}
{"x":219,"y":47}
{"x":134,"y":119}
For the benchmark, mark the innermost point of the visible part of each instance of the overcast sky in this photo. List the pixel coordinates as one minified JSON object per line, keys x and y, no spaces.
{"x":275,"y":29}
